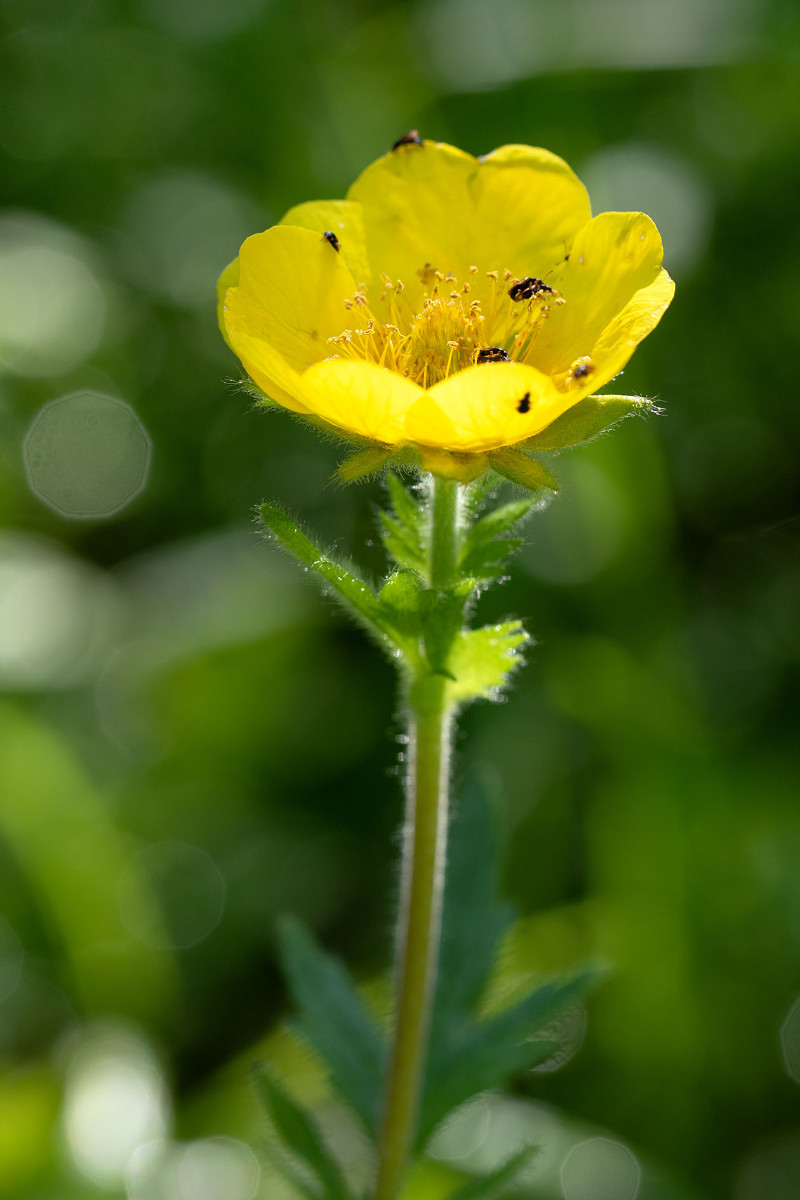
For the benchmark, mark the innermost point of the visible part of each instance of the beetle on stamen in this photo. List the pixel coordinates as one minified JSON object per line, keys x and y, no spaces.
{"x":492,"y":354}
{"x":527,"y":288}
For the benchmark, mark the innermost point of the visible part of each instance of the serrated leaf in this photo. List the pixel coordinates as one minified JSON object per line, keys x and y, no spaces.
{"x":354,"y":593}
{"x":401,"y":544}
{"x":487,"y":1187}
{"x":403,"y":602}
{"x":484,"y":545}
{"x":588,"y":419}
{"x":485,"y":1054}
{"x":300,"y":1135}
{"x":516,"y":466}
{"x":363,"y":463}
{"x":292,"y":1175}
{"x":335,"y":1022}
{"x":480,"y":660}
{"x":404,"y":532}
{"x":473,"y":921}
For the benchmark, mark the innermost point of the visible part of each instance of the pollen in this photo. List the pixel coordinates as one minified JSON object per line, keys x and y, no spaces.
{"x":449,"y":327}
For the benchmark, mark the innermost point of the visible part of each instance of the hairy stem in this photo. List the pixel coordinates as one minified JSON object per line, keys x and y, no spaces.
{"x":425,"y":841}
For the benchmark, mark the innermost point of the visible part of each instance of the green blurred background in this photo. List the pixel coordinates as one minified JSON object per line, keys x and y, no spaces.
{"x":193,"y":741}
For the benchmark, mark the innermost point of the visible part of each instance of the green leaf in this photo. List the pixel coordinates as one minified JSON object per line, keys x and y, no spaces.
{"x":351,"y":591}
{"x":485,"y":1054}
{"x":363,"y":463}
{"x":335,"y":1022}
{"x":473,"y":922}
{"x":292,"y":1175}
{"x":300,"y":1135}
{"x":481,"y":660}
{"x":587,"y":419}
{"x":488,"y":1186}
{"x":485,"y":548}
{"x":516,"y":466}
{"x":404,"y":533}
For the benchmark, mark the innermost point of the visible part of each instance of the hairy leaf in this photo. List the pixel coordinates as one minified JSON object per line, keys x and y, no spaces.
{"x":354,"y":593}
{"x":487,"y":1187}
{"x":481,"y":660}
{"x":473,"y":922}
{"x":335,"y":1022}
{"x":485,"y":1054}
{"x":297,"y":1131}
{"x":404,"y":533}
{"x":587,"y":419}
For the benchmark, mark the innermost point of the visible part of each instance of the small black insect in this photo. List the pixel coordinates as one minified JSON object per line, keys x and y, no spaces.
{"x":492,"y":354}
{"x":411,"y":138}
{"x":331,"y":239}
{"x":526,"y":289}
{"x":524,"y":405}
{"x":582,"y":370}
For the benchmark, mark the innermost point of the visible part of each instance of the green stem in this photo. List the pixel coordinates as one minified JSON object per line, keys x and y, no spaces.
{"x":444,"y":531}
{"x":431,"y":728}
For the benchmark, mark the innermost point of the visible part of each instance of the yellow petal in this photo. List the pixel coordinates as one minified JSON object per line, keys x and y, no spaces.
{"x":530,"y":206}
{"x":417,"y":206}
{"x":487,"y":406}
{"x":292,"y":291}
{"x":621,"y":336}
{"x":360,"y":398}
{"x":613,"y":259}
{"x":265,"y":365}
{"x":228,"y":279}
{"x":343,"y":218}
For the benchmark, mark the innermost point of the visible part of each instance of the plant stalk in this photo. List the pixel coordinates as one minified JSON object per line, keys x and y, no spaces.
{"x":424,"y":853}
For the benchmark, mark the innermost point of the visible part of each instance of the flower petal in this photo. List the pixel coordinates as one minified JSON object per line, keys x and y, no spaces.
{"x":417,"y":206}
{"x":228,"y":279}
{"x":341,"y":217}
{"x":530,"y":206}
{"x":518,"y":208}
{"x":615,"y":262}
{"x":265,"y":365}
{"x":488,"y":406}
{"x":292,"y":291}
{"x":361,"y":398}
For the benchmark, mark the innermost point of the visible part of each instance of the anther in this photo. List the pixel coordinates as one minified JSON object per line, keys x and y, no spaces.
{"x":331,"y":238}
{"x":492,"y":354}
{"x":527,"y":288}
{"x":411,"y":138}
{"x":524,"y":405}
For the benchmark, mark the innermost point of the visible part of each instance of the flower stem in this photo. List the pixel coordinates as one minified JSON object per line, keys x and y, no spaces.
{"x":424,"y":851}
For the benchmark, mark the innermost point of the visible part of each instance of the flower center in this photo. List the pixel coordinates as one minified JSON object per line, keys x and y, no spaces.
{"x":451,"y":328}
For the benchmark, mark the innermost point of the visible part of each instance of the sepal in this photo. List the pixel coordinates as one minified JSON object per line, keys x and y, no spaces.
{"x":587,"y":420}
{"x":518,"y":467}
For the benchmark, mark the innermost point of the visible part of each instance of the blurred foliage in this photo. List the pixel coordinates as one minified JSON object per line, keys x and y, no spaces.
{"x":192,"y":743}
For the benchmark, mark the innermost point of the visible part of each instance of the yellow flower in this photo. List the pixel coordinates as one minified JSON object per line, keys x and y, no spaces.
{"x":451,"y":303}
